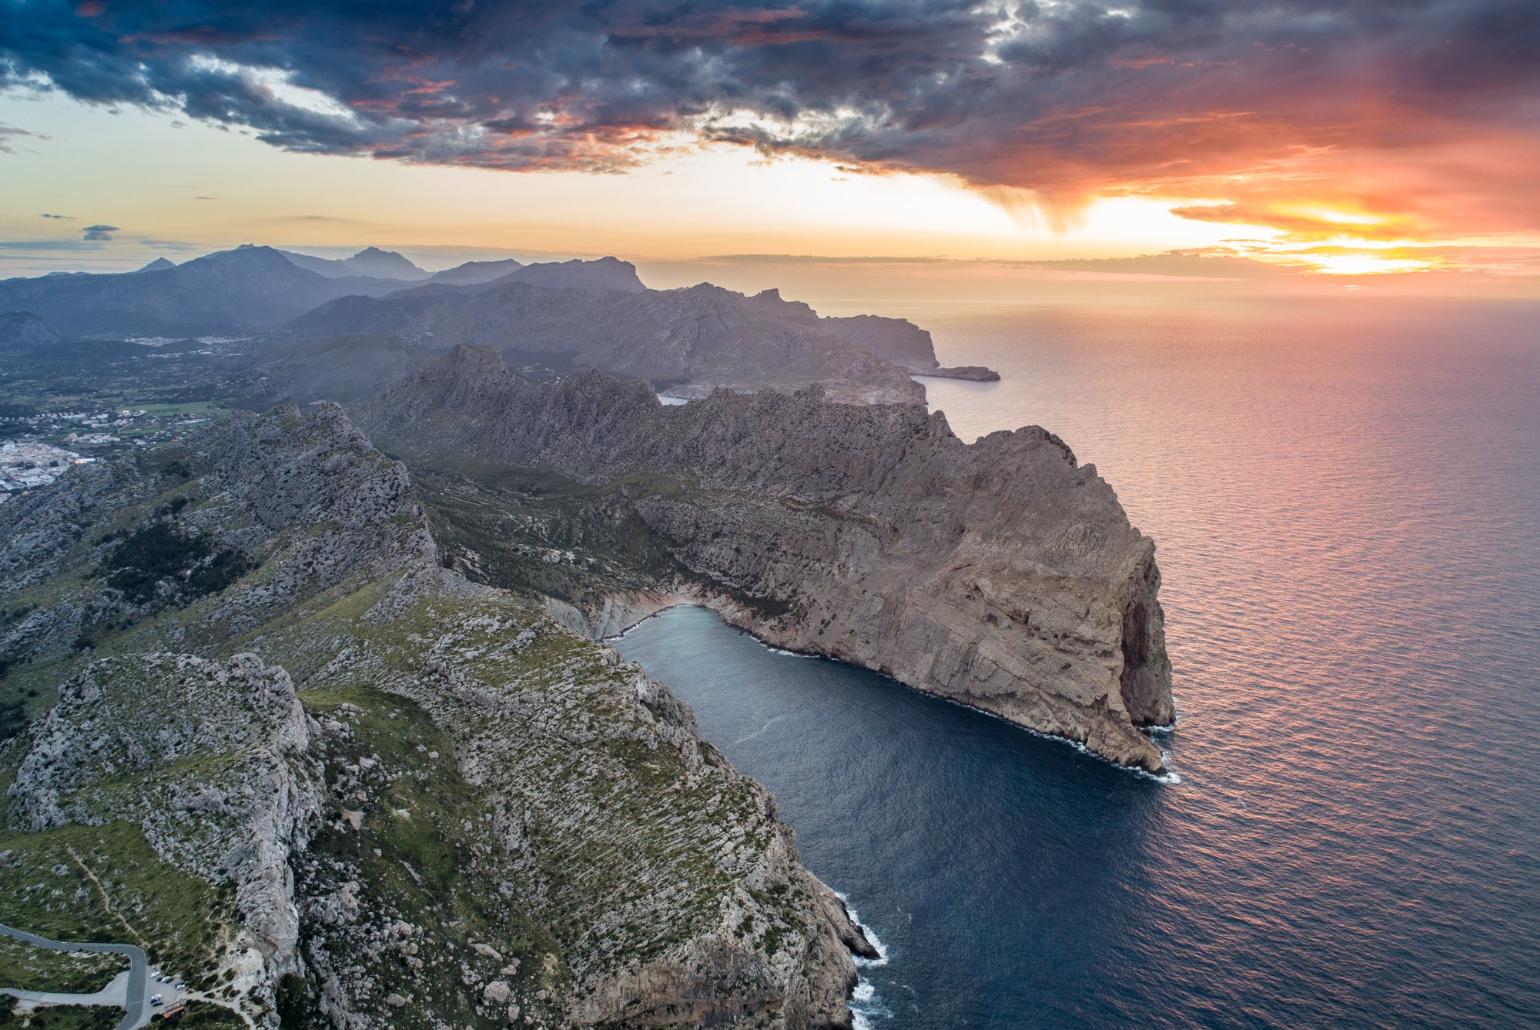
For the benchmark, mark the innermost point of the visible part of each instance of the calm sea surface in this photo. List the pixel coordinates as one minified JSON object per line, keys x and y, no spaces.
{"x":1346,"y":499}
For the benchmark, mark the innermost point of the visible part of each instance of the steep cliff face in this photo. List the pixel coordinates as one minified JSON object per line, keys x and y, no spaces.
{"x":107,"y":752}
{"x":1003,"y":574}
{"x":309,"y":766}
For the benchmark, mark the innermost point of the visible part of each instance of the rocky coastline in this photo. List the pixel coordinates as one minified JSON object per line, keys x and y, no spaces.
{"x":1001,"y":574}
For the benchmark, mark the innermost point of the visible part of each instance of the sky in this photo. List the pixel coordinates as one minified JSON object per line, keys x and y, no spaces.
{"x":1291,"y":144}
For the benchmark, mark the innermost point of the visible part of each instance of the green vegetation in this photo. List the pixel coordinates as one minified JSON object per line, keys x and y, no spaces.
{"x":163,"y":551}
{"x":421,"y":856}
{"x":537,"y":532}
{"x":186,"y":408}
{"x":13,"y":716}
{"x":63,"y":1017}
{"x":104,"y":883}
{"x":31,"y":968}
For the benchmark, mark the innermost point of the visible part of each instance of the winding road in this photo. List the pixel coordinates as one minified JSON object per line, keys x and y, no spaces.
{"x":132,"y":994}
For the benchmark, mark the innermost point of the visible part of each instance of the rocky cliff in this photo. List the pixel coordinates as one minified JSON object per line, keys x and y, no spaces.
{"x":330,"y":782}
{"x":1002,"y":574}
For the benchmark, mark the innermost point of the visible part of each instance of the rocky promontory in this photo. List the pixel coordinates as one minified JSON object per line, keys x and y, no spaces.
{"x":691,"y":340}
{"x":971,"y":373}
{"x":1002,"y":574}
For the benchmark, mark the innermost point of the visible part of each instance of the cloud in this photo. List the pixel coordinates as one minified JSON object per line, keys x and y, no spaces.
{"x":102,"y":233}
{"x":48,"y":245}
{"x":9,"y":134}
{"x":1420,"y":112}
{"x":61,"y":218}
{"x":815,"y":259}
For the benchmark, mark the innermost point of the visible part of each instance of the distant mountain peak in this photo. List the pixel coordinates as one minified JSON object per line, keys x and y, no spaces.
{"x":160,"y":264}
{"x":384,"y":264}
{"x":472,"y":273}
{"x":599,"y":274}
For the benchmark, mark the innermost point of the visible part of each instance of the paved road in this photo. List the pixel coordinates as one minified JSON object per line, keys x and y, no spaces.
{"x":133,"y":998}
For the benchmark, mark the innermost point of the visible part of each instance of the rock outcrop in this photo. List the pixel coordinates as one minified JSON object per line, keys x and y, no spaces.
{"x":1001,"y":574}
{"x":971,"y":373}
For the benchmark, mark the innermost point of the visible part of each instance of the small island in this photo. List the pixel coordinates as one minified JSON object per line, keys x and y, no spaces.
{"x":972,"y":373}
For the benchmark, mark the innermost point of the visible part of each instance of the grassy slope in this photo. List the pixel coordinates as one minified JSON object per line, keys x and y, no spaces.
{"x":31,"y":968}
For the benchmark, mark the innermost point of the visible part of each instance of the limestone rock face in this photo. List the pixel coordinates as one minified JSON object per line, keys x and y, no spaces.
{"x":1002,"y":574}
{"x":124,"y":718}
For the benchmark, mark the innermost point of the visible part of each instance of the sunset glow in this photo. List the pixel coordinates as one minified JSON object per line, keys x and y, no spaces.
{"x":1338,"y":143}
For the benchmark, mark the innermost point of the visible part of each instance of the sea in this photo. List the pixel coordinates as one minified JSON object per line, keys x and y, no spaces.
{"x":1345,"y":497}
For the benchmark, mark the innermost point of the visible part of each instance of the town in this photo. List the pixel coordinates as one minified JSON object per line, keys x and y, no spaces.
{"x":37,"y":449}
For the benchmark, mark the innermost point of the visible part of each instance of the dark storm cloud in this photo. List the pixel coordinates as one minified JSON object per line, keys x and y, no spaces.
{"x":1062,"y":98}
{"x":101,"y":233}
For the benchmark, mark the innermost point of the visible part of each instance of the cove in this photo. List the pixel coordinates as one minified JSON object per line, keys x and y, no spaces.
{"x":993,"y":864}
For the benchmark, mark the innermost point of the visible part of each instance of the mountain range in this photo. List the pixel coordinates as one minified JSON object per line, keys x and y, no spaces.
{"x":560,"y":315}
{"x":246,"y":289}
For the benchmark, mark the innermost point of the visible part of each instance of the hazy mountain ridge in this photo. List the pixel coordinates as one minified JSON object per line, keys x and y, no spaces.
{"x":22,"y":330}
{"x":375,"y":789}
{"x":695,"y":338}
{"x":472,"y":272}
{"x":248,"y":288}
{"x":371,"y":262}
{"x":565,"y":314}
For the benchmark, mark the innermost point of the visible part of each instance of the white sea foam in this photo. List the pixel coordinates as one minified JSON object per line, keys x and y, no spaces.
{"x":781,"y":650}
{"x":871,"y":935}
{"x":1168,"y":777}
{"x":760,"y":731}
{"x":639,"y":622}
